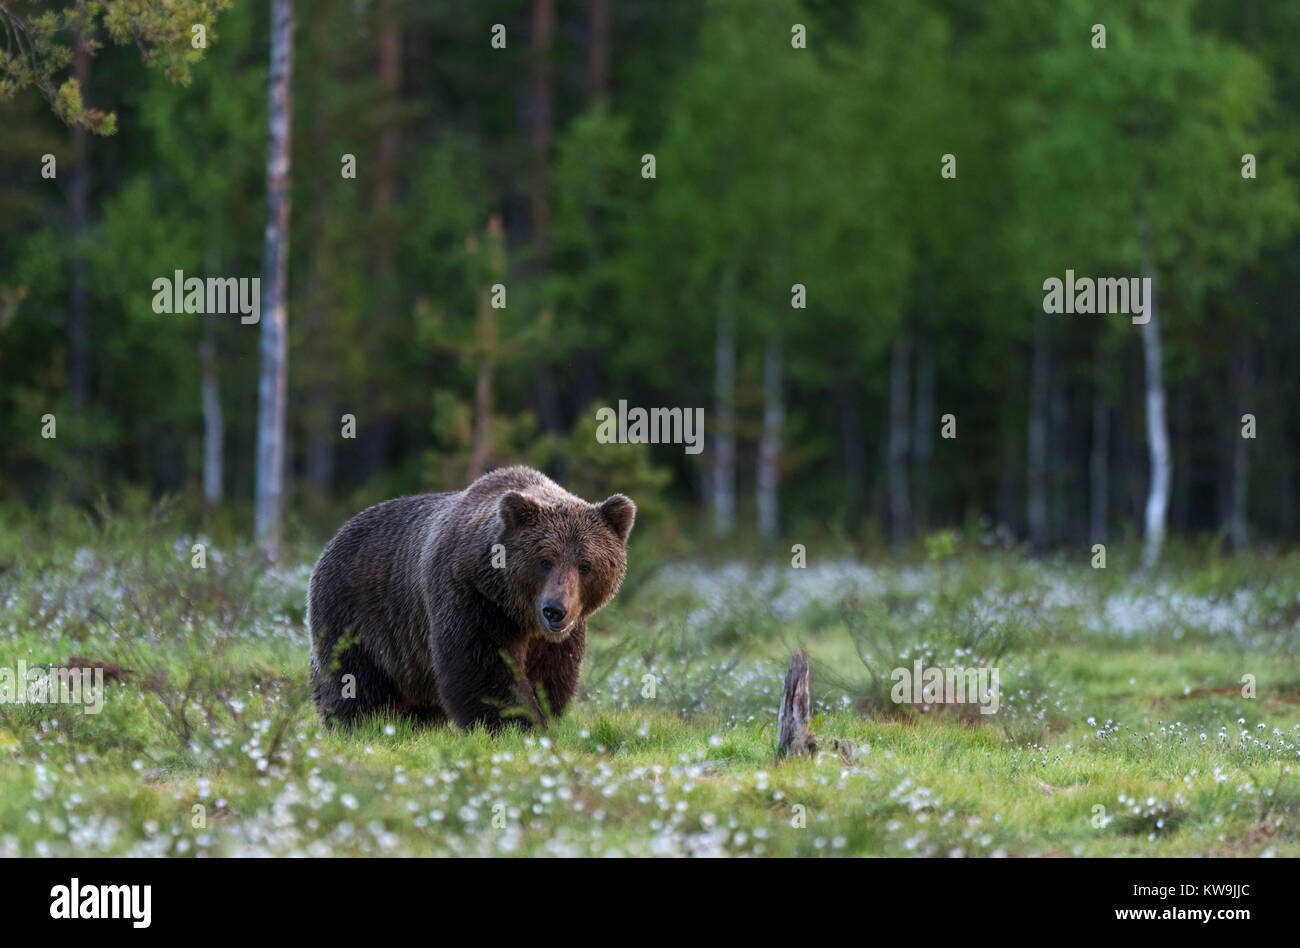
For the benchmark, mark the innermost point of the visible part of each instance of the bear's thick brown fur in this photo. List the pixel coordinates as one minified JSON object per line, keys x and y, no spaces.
{"x":464,"y":605}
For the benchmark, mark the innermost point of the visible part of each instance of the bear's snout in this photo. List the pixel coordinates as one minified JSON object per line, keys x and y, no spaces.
{"x":553,"y":612}
{"x":560,"y":600}
{"x":557,"y":619}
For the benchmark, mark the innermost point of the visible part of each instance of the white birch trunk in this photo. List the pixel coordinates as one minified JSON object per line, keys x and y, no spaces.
{"x":273,"y":384}
{"x":1157,"y":506}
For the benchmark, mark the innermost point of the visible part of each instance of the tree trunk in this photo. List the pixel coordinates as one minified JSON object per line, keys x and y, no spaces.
{"x":1039,"y":394}
{"x":1157,"y":505}
{"x":315,"y":370}
{"x":272,"y":386}
{"x":855,"y":456}
{"x":322,"y":429}
{"x":1243,"y":374}
{"x":769,"y":448}
{"x":794,"y":716}
{"x":1010,"y":502}
{"x":900,"y":516}
{"x":1180,"y":428}
{"x":585,"y":379}
{"x":378,"y":430}
{"x":923,"y":430}
{"x":1283,"y":518}
{"x":1287,"y":489}
{"x":1099,"y":471}
{"x":390,"y":78}
{"x":1060,"y":487}
{"x":78,"y":207}
{"x":540,"y":129}
{"x":482,"y":418}
{"x":598,"y":45}
{"x":539,"y":192}
{"x":213,"y":428}
{"x":724,"y":395}
{"x":486,"y":346}
{"x":210,"y":390}
{"x":1129,"y":449}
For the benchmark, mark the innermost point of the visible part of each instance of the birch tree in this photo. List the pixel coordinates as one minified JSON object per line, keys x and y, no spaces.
{"x":273,"y":384}
{"x":1137,"y":175}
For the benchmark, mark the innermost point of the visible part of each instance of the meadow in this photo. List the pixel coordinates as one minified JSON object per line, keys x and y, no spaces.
{"x":1125,"y":725}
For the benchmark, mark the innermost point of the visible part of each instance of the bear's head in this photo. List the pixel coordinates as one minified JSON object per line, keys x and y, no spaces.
{"x":564,"y":560}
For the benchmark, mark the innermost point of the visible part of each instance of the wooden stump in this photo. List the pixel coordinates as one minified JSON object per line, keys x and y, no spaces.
{"x":795,"y":714}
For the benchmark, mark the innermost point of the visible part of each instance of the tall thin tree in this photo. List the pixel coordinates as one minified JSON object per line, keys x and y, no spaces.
{"x":1157,"y":506}
{"x":900,"y":512}
{"x":540,"y":133}
{"x":724,"y":397}
{"x":273,"y":384}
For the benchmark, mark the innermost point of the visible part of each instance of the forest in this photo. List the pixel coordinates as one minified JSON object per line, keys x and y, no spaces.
{"x":827,"y":225}
{"x":934,"y":341}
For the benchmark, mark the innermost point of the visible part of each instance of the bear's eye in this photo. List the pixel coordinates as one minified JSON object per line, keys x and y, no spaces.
{"x":584,"y":569}
{"x":546,"y":566}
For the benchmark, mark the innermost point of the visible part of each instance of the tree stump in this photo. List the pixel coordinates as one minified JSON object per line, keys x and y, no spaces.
{"x":795,"y":714}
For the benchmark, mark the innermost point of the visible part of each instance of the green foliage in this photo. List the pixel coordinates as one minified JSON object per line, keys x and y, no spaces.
{"x":776,"y":166}
{"x":162,"y":31}
{"x":941,"y":544}
{"x":513,"y":439}
{"x":594,"y":470}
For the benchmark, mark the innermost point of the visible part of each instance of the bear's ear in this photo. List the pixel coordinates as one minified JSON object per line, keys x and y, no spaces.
{"x":620,"y":513}
{"x":517,"y":511}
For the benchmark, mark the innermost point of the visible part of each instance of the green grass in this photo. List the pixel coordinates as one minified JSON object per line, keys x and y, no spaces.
{"x":1122,"y":730}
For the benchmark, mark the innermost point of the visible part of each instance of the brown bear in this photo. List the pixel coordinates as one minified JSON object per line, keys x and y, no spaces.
{"x":470,"y":605}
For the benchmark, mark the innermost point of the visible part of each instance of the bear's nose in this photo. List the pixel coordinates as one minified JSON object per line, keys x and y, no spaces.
{"x":552,"y":612}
